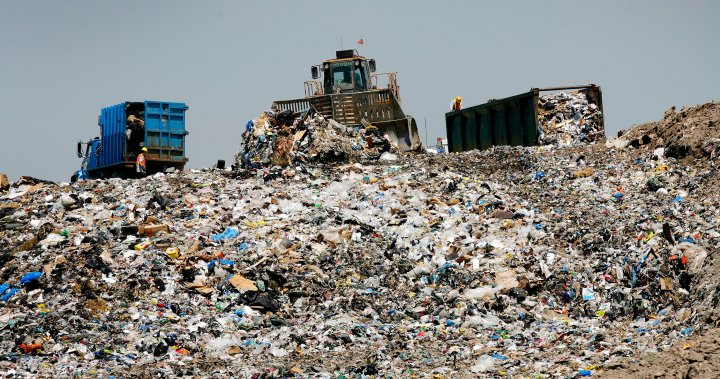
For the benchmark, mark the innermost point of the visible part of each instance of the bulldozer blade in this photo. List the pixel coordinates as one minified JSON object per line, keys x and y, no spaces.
{"x":401,"y":133}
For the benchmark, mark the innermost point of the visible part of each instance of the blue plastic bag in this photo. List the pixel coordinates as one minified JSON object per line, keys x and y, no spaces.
{"x":229,"y":233}
{"x":30,"y":276}
{"x":9,"y":294}
{"x":223,"y":262}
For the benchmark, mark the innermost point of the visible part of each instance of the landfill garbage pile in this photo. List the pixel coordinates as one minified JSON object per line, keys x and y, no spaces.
{"x":692,"y":132}
{"x":281,"y":138}
{"x":515,"y":261}
{"x":567,"y":118}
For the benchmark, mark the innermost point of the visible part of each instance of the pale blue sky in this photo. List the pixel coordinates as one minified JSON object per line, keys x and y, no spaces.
{"x":62,"y":61}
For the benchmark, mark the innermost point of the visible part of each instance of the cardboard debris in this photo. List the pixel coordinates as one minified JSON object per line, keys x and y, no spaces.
{"x":666,"y":284}
{"x":242,"y":284}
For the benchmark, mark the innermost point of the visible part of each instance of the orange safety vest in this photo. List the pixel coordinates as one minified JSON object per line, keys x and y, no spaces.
{"x":140,"y":162}
{"x":456,"y":105}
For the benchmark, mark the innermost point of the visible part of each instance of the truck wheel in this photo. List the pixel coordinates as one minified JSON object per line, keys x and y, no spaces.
{"x":73,"y":179}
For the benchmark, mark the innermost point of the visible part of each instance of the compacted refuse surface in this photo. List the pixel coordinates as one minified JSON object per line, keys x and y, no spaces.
{"x":540,"y":262}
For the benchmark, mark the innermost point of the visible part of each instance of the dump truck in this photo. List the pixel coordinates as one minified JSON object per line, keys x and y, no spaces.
{"x":352,"y":93}
{"x":125,"y":129}
{"x":527,"y":119}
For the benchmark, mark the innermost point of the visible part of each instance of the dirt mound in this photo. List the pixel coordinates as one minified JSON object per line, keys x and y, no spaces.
{"x":698,"y":358}
{"x":692,"y":132}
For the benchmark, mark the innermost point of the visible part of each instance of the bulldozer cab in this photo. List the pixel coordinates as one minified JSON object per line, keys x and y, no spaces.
{"x":349,"y":93}
{"x":347,"y":73}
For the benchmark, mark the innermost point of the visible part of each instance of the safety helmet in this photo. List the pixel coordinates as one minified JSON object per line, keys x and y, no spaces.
{"x":144,"y":149}
{"x":458,"y":99}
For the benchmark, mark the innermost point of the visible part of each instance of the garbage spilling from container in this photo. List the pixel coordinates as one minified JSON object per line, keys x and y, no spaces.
{"x":282,"y":137}
{"x":513,"y":261}
{"x":568,"y":118}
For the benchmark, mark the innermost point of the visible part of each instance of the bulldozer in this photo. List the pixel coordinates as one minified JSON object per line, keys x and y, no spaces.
{"x":348,"y":90}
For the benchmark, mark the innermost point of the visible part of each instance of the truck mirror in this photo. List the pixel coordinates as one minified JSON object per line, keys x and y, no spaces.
{"x":315,"y":72}
{"x":98,"y":150}
{"x":79,"y":150}
{"x":371,"y":63}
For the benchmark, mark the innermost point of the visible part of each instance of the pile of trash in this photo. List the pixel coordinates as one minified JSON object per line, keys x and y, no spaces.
{"x":567,"y":118}
{"x":282,"y":137}
{"x":514,"y":261}
{"x":693,"y":132}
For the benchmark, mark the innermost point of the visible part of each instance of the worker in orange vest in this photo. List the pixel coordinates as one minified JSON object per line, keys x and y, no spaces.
{"x":140,"y":163}
{"x":457,"y":103}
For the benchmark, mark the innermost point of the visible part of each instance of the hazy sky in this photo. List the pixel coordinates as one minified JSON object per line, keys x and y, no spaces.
{"x":62,"y":61}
